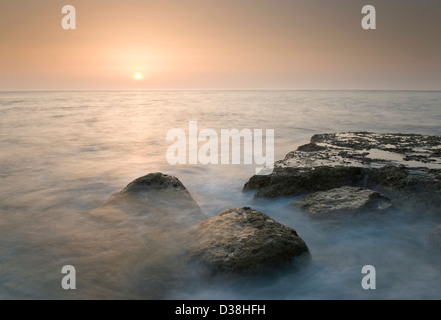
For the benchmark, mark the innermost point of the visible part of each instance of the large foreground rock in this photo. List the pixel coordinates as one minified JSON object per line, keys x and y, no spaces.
{"x":404,"y":167}
{"x":243,"y":240}
{"x":344,"y":200}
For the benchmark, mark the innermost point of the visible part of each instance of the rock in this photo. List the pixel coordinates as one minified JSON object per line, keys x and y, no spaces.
{"x":243,"y":240}
{"x":344,"y":200}
{"x":160,"y":197}
{"x":144,"y":226}
{"x":155,"y":181}
{"x":404,"y":167}
{"x":146,"y":189}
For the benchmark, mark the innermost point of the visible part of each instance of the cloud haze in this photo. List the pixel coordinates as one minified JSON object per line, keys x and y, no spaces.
{"x":229,"y":44}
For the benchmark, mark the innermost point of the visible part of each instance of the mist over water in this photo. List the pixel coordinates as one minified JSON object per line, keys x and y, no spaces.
{"x":64,"y":153}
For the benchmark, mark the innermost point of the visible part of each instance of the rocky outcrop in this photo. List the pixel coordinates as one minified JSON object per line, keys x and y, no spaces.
{"x":404,"y":167}
{"x":169,"y":234}
{"x":344,"y":200}
{"x":243,"y":240}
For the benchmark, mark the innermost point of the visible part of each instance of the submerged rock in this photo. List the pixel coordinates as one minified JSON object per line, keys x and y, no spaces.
{"x":144,"y":226}
{"x":404,"y":167}
{"x":243,"y":240}
{"x":344,"y":200}
{"x":162,"y":198}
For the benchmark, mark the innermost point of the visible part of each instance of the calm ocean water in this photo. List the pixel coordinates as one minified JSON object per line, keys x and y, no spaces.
{"x":63,"y":153}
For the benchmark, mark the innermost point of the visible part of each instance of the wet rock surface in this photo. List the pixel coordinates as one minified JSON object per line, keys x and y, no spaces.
{"x":344,"y":200}
{"x":404,"y":167}
{"x":243,"y":240}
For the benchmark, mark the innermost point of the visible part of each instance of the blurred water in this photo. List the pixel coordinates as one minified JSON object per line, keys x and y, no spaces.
{"x":63,"y":153}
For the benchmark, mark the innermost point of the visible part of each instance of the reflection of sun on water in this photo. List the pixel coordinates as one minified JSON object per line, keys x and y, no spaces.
{"x":138,"y":76}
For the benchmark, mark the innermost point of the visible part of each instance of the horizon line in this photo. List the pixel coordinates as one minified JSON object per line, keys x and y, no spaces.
{"x":78,"y":90}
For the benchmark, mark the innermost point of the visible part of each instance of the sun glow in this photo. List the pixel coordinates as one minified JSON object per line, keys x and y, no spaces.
{"x":138,"y":76}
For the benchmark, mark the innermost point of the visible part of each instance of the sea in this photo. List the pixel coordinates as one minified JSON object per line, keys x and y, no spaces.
{"x":63,"y":153}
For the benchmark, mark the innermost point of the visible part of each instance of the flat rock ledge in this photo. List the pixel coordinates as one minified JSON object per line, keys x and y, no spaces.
{"x":404,"y":167}
{"x":344,"y":200}
{"x":245,"y":241}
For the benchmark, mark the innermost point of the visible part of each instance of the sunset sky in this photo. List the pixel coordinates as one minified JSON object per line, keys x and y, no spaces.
{"x":225,"y":44}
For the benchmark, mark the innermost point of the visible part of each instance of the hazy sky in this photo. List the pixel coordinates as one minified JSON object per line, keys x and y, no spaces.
{"x":223,"y":44}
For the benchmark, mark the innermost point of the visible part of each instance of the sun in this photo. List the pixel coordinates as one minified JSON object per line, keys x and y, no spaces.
{"x":138,"y":76}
